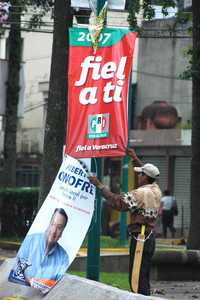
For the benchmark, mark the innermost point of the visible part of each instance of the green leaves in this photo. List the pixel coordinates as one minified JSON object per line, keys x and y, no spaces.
{"x":133,"y":10}
{"x":147,"y":10}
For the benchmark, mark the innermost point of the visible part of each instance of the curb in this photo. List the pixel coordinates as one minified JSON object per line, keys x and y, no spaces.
{"x":7,"y":245}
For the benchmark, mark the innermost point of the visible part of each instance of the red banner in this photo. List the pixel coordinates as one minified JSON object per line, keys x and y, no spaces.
{"x":98,"y":93}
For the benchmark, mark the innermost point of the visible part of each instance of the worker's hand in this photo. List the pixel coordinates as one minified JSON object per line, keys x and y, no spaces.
{"x":131,"y":152}
{"x":95,"y":181}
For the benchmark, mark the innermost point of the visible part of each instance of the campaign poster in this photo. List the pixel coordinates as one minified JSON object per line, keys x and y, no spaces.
{"x":58,"y":230}
{"x":98,"y":83}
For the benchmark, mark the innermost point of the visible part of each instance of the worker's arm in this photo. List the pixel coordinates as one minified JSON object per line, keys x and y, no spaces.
{"x":116,"y":201}
{"x":131,"y":153}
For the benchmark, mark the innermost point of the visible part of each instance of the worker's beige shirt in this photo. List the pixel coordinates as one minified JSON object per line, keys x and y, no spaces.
{"x":143,"y":204}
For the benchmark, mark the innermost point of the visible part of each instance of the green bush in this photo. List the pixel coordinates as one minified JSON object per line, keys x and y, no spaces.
{"x":18,"y":207}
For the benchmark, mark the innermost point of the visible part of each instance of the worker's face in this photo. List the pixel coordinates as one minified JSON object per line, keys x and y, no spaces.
{"x":55,"y":228}
{"x":142,"y":179}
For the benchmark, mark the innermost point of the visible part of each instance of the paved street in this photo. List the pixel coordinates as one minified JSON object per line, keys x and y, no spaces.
{"x":179,"y":290}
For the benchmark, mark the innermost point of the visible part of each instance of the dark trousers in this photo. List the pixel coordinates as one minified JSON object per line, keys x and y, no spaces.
{"x":168,"y":222}
{"x":144,"y":279}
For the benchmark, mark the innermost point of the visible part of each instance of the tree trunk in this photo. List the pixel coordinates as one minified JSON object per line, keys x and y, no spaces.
{"x":12,"y":96}
{"x":57,"y":98}
{"x":194,"y":237}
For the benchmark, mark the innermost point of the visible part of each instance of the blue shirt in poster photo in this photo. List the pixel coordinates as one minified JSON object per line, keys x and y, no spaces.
{"x":41,"y":256}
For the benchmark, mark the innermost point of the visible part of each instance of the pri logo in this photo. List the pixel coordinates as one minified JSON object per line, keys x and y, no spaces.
{"x":98,"y":126}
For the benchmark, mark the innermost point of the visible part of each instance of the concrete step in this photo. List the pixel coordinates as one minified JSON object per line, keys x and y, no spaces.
{"x":69,"y":287}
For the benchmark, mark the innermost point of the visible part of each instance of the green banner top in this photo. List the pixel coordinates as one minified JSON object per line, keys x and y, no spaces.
{"x":108,"y":37}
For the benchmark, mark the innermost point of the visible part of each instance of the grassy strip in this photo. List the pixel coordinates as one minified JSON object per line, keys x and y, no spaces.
{"x":105,"y":242}
{"x":119,"y":280}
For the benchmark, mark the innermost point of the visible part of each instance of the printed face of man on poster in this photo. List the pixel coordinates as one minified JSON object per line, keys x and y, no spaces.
{"x":55,"y":229}
{"x":41,"y":260}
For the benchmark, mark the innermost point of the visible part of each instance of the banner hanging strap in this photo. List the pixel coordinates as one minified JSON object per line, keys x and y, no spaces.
{"x":138,"y":260}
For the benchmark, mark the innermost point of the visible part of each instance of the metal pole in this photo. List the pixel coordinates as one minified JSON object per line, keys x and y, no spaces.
{"x":93,"y":254}
{"x":100,"y":4}
{"x":123,"y":215}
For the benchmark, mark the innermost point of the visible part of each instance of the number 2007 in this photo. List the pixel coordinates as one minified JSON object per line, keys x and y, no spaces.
{"x":83,"y":36}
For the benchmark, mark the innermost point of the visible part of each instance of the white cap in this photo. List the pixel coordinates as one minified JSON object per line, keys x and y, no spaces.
{"x":148,"y":169}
